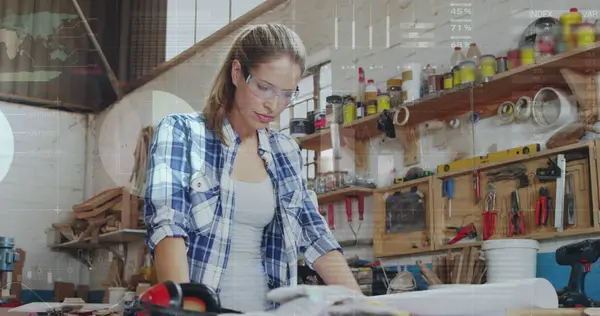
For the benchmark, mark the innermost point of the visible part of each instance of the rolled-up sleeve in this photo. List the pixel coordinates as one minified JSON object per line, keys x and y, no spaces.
{"x":166,"y":204}
{"x":317,"y":238}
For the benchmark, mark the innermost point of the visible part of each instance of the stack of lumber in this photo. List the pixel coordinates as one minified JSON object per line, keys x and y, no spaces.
{"x":465,"y":267}
{"x":111,"y":210}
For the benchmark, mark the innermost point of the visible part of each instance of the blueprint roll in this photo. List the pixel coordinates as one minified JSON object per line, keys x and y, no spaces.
{"x":475,"y":300}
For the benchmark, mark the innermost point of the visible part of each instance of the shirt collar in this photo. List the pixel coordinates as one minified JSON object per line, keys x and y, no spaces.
{"x":264,"y":145}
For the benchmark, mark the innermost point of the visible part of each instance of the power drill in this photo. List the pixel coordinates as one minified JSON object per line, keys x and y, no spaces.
{"x":579,"y":256}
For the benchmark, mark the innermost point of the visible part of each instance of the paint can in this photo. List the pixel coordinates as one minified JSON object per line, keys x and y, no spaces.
{"x":310,"y":116}
{"x":501,"y":64}
{"x":488,"y":66}
{"x":320,"y":121}
{"x":298,"y":127}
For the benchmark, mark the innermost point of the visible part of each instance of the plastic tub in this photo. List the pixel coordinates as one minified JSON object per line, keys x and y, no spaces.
{"x":115,"y":297}
{"x":510,"y":259}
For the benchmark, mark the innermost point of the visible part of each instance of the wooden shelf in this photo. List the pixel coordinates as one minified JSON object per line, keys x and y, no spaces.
{"x":487,"y":96}
{"x":341,"y":194}
{"x":116,"y":237}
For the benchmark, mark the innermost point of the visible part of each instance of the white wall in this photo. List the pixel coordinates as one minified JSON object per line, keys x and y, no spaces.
{"x":496,"y":27}
{"x":43,"y":154}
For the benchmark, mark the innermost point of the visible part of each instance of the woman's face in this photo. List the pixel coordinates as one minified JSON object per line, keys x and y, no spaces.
{"x":270,"y":89}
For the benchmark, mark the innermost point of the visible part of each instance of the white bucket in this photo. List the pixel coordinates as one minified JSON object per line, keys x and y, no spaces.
{"x":115,"y":297}
{"x":510,"y":259}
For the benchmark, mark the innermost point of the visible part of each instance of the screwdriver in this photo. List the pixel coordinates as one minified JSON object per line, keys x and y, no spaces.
{"x":448,"y":192}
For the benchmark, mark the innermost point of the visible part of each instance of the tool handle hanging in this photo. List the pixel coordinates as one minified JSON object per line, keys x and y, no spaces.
{"x":330,"y":216}
{"x":349,"y":208}
{"x":361,"y":207}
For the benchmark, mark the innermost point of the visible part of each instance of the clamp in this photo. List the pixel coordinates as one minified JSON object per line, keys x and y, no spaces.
{"x":467,"y":231}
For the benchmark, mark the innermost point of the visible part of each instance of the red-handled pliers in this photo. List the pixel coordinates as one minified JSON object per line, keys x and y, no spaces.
{"x":489,"y":216}
{"x":517,"y":220}
{"x":542,"y":207}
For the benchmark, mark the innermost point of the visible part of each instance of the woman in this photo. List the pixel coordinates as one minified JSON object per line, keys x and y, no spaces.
{"x":227,"y":194}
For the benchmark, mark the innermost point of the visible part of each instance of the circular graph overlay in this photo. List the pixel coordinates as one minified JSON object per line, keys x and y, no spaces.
{"x":7,"y":146}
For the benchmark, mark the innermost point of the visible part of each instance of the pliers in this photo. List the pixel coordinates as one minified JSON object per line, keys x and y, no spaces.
{"x":489,"y":216}
{"x":542,"y":206}
{"x":468,"y":231}
{"x":516,"y":220}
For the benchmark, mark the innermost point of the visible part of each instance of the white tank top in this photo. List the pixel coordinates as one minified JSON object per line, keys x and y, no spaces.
{"x":245,"y":283}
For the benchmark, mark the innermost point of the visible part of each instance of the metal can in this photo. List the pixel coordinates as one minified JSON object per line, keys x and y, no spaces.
{"x":435,"y":83}
{"x":310,"y":128}
{"x":298,"y":127}
{"x":372,"y":107}
{"x":467,"y":71}
{"x":527,"y":54}
{"x":586,"y":34}
{"x":383,"y":102}
{"x":488,"y":65}
{"x":456,"y":76}
{"x":501,"y":64}
{"x":349,"y":109}
{"x":336,"y":103}
{"x":320,"y":120}
{"x":448,"y":80}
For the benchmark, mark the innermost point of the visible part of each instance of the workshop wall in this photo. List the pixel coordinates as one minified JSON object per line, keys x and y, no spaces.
{"x":496,"y":27}
{"x":42,"y":175}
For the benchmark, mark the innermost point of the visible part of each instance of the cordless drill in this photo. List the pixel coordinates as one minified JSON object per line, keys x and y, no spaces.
{"x":579,"y":256}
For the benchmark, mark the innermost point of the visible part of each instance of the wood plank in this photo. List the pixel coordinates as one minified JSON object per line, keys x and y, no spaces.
{"x":98,"y":200}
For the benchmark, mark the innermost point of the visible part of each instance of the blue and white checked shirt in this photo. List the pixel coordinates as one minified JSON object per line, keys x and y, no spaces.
{"x":190,"y":194}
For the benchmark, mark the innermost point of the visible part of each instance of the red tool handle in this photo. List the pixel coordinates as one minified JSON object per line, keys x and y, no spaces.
{"x":541,"y":210}
{"x":522,"y":223}
{"x":477,"y":186}
{"x":511,"y":227}
{"x":492,"y":229}
{"x":486,"y":225}
{"x":349,"y":209}
{"x":361,"y":207}
{"x":330,"y":218}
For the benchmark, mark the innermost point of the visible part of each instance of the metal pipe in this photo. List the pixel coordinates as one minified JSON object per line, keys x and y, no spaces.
{"x":111,"y":75}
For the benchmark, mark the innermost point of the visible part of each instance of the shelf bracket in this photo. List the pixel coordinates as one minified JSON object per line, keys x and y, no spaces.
{"x":584,"y":90}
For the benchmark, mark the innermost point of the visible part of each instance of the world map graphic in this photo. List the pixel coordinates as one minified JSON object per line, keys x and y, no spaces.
{"x":38,"y":29}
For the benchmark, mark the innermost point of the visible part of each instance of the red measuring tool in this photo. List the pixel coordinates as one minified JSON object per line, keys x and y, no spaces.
{"x":542,"y":206}
{"x":489,"y":216}
{"x":516,"y":220}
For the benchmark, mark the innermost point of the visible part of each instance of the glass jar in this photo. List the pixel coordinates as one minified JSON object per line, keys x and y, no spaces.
{"x":331,"y":180}
{"x":336,"y":104}
{"x":467,"y":71}
{"x":394,"y":89}
{"x":321,"y":183}
{"x":349,"y":110}
{"x":448,"y":81}
{"x":586,"y":34}
{"x":342,"y":177}
{"x":310,"y":184}
{"x":456,"y":76}
{"x":383,"y":102}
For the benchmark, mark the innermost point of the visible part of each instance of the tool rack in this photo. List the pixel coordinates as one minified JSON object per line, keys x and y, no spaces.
{"x":582,"y":167}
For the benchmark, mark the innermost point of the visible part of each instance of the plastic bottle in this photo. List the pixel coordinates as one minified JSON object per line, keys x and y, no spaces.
{"x":370,"y":91}
{"x":473,"y":53}
{"x":360,"y":97}
{"x":457,"y":56}
{"x":568,"y":20}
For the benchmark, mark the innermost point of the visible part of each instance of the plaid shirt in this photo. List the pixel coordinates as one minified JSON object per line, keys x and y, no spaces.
{"x":190,"y":194}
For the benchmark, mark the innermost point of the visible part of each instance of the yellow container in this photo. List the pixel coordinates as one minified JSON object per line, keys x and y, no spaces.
{"x":456,"y":76}
{"x":349,"y":110}
{"x":568,"y":20}
{"x":527,"y":54}
{"x":448,"y":81}
{"x":371,"y":107}
{"x":467,"y":71}
{"x":586,"y":34}
{"x":383,"y":102}
{"x":488,"y":66}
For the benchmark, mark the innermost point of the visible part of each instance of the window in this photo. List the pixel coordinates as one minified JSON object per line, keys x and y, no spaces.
{"x":318,"y":77}
{"x":190,"y":21}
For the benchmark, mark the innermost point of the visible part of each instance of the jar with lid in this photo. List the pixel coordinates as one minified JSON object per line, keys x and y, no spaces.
{"x":448,"y":80}
{"x":310,"y":184}
{"x":349,"y":109}
{"x":394,"y":89}
{"x":467,"y":71}
{"x":331,"y":180}
{"x":456,"y":76}
{"x":321,"y":182}
{"x":342,"y":177}
{"x":383,"y":102}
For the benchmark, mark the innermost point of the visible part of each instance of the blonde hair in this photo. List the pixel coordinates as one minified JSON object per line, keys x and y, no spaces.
{"x":253,"y":46}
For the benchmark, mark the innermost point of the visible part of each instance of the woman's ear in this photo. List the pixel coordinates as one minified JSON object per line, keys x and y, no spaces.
{"x":236,"y":72}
